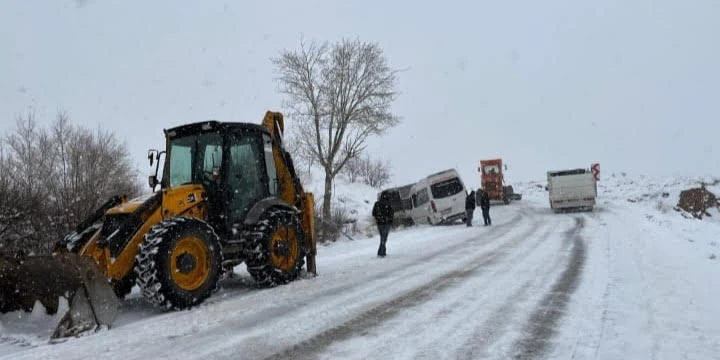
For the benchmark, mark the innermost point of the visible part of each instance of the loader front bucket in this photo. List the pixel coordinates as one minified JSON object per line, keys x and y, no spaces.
{"x":92,"y":302}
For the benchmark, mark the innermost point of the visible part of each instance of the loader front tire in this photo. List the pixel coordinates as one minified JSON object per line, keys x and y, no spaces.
{"x":276,"y":252}
{"x":179,"y":263}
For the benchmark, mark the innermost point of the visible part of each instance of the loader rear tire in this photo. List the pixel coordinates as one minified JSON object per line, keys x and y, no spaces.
{"x":276,"y":252}
{"x":179,"y":263}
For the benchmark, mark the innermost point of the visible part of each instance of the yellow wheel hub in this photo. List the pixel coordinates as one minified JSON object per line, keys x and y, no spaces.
{"x":284,"y":248}
{"x":189,"y":263}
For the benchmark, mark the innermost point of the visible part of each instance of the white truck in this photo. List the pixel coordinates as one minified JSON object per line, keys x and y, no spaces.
{"x":574,"y":189}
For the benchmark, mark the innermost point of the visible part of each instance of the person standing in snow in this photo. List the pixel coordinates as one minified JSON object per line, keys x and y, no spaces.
{"x":383,"y":214}
{"x":485,"y":207}
{"x":469,"y":207}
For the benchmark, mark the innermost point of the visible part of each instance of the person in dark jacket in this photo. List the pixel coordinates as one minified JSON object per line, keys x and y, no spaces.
{"x":485,"y":207}
{"x":383,"y":214}
{"x":469,"y":207}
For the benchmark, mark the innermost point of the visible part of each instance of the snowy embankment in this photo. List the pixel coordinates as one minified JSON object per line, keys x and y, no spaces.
{"x":652,"y":286}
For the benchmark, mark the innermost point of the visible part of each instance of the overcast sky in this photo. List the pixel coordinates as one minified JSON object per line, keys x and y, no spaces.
{"x":545,"y":85}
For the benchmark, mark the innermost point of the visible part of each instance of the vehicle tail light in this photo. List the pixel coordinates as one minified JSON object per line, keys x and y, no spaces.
{"x":432,"y":204}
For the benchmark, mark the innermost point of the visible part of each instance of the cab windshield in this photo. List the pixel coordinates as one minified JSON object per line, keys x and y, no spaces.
{"x":195,"y":159}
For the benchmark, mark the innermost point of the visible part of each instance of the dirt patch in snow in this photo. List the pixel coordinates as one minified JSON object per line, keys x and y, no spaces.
{"x":697,"y":201}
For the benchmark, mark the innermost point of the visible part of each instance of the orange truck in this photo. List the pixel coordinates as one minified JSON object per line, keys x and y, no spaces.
{"x":492,"y":180}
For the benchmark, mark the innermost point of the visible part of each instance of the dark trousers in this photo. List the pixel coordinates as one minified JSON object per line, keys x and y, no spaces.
{"x":469,"y":215}
{"x":486,"y":216}
{"x":384,"y":230}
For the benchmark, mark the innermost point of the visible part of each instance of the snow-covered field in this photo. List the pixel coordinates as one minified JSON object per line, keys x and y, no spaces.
{"x":631,"y":280}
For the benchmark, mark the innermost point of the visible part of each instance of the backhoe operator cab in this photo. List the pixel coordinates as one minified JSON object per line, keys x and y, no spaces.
{"x":232,"y":161}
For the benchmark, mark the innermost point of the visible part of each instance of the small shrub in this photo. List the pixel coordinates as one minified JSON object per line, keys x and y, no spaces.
{"x":375,"y":173}
{"x":340,"y":224}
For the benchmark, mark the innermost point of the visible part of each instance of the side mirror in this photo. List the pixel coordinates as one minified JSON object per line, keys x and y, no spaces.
{"x":152,"y":154}
{"x":153,"y":181}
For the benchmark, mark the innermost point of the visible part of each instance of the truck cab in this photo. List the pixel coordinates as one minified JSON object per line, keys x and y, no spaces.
{"x":492,"y":180}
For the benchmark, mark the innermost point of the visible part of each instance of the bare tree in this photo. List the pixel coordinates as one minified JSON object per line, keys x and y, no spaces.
{"x":89,"y":168}
{"x":375,"y":173}
{"x":340,"y":94}
{"x":353,"y":169}
{"x":10,"y":214}
{"x":28,"y":166}
{"x":55,"y":178}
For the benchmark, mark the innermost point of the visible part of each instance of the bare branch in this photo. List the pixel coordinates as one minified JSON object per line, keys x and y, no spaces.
{"x":57,"y":178}
{"x":340,"y":95}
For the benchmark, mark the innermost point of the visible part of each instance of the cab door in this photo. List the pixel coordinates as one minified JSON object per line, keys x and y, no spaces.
{"x":247,"y":180}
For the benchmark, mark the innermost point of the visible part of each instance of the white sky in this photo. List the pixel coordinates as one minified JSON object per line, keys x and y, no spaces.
{"x":544,"y":85}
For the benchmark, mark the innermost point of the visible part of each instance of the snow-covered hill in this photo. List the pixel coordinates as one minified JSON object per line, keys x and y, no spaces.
{"x":657,"y":200}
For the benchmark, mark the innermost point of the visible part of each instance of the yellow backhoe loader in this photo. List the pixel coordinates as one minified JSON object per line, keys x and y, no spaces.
{"x":228,"y":194}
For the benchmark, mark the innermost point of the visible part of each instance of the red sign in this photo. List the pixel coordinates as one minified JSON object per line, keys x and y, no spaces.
{"x":596,"y":171}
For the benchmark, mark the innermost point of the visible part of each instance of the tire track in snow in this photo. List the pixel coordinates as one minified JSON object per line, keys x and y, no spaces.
{"x":628,"y":309}
{"x":502,"y":293}
{"x":596,"y":339}
{"x":257,"y":344}
{"x":409,"y":269}
{"x":16,"y":342}
{"x":541,"y":326}
{"x":496,"y":325}
{"x":387,"y":310}
{"x":488,"y":288}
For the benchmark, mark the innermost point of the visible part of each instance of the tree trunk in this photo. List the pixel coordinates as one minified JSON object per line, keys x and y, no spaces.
{"x":327,"y":196}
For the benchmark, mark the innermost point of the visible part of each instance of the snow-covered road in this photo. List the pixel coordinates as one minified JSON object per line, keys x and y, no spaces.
{"x":600,"y":285}
{"x":646,"y":293}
